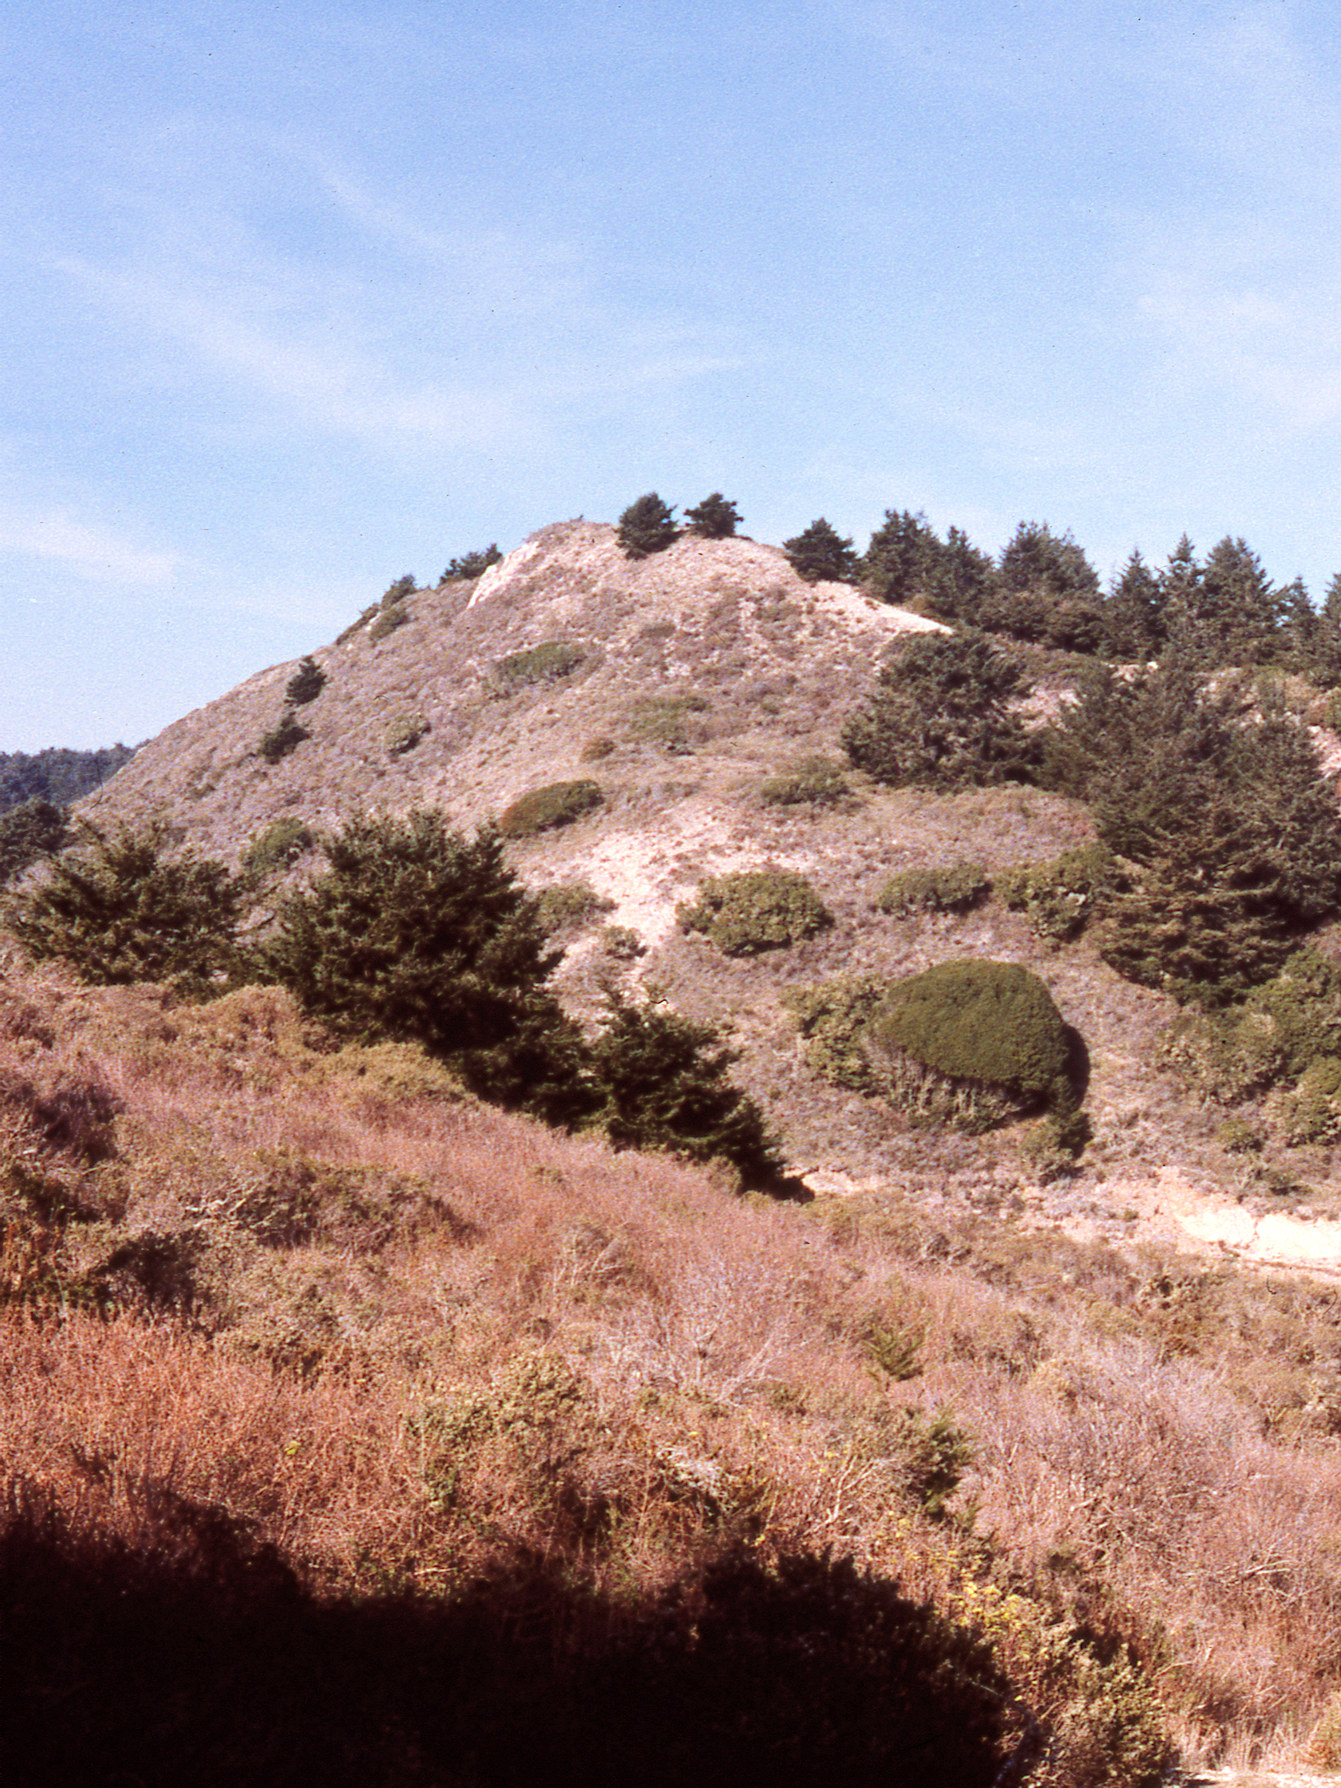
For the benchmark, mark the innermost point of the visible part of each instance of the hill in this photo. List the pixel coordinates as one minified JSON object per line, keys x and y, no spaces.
{"x":679,"y":685}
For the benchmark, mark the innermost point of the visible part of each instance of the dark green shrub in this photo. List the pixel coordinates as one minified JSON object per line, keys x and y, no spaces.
{"x":666,"y":1086}
{"x":472,"y":565}
{"x":404,"y":732}
{"x":119,"y":908}
{"x":755,"y":910}
{"x":277,"y":847}
{"x":820,"y":554}
{"x":1060,"y":897}
{"x":988,"y":1024}
{"x":647,"y":526}
{"x":557,"y":804}
{"x":714,"y":518}
{"x":955,"y":888}
{"x":306,"y":683}
{"x":940,"y":716}
{"x":285,"y":736}
{"x":34,"y":829}
{"x":811,"y":781}
{"x":544,"y":663}
{"x":388,"y":621}
{"x":414,"y":933}
{"x":936,"y":1454}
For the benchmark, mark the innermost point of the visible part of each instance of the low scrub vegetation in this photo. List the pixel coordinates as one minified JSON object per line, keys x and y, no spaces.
{"x":969,"y":1044}
{"x":809,"y":782}
{"x":545,"y":663}
{"x":404,"y":732}
{"x":1061,"y":897}
{"x":953,"y":888}
{"x":556,"y":804}
{"x":755,"y":910}
{"x":417,"y":1346}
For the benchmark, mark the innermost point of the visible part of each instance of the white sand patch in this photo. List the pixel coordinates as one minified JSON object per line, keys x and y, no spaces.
{"x":1214,"y":1223}
{"x":648,"y":872}
{"x":844,"y":602}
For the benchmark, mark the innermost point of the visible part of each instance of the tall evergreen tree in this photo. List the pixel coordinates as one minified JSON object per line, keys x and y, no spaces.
{"x":1048,"y":592}
{"x":821,"y":554}
{"x":1053,"y":564}
{"x":714,"y":518}
{"x":1236,"y":616}
{"x":1134,"y":623}
{"x":647,"y":526}
{"x":940,"y":716}
{"x":418,"y":934}
{"x":901,"y":558}
{"x":1221,"y":805}
{"x":961,"y":581}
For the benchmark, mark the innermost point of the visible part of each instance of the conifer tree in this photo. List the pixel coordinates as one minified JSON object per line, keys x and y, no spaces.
{"x":940,"y":716}
{"x":126,"y":907}
{"x":961,"y":582}
{"x":416,"y":933}
{"x":901,"y":558}
{"x":1235,"y":618}
{"x":714,"y":518}
{"x":306,"y":683}
{"x":820,"y":554}
{"x":647,"y":526}
{"x":1133,"y":616}
{"x":1221,"y":805}
{"x":666,"y":1086}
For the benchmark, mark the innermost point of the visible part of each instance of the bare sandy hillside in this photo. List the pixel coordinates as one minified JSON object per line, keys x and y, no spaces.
{"x":679,"y":684}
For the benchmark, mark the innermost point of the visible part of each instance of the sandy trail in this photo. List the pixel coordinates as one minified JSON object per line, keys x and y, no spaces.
{"x":1212,"y":1223}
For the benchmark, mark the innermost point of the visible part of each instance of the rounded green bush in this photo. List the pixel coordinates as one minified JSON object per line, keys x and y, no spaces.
{"x":756,"y":909}
{"x":542,"y":809}
{"x":545,"y":663}
{"x":991,"y":1022}
{"x":953,"y":888}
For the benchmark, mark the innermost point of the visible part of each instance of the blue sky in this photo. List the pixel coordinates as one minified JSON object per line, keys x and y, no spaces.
{"x":300,"y":297}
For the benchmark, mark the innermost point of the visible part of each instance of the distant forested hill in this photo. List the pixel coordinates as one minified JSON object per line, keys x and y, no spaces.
{"x":55,"y":775}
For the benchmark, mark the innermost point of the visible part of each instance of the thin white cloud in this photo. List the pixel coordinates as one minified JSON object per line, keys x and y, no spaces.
{"x":91,"y":551}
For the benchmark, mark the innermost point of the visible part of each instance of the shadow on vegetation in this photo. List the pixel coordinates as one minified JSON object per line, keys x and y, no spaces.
{"x":201,"y":1658}
{"x":1077,"y":1063}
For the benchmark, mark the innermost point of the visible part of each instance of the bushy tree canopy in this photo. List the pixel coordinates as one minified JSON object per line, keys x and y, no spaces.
{"x":820,"y":554}
{"x":940,"y":716}
{"x":1219,"y":799}
{"x":714,"y":518}
{"x":127,"y":907}
{"x":416,"y":933}
{"x":472,"y":565}
{"x":666,"y":1086}
{"x":647,"y":526}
